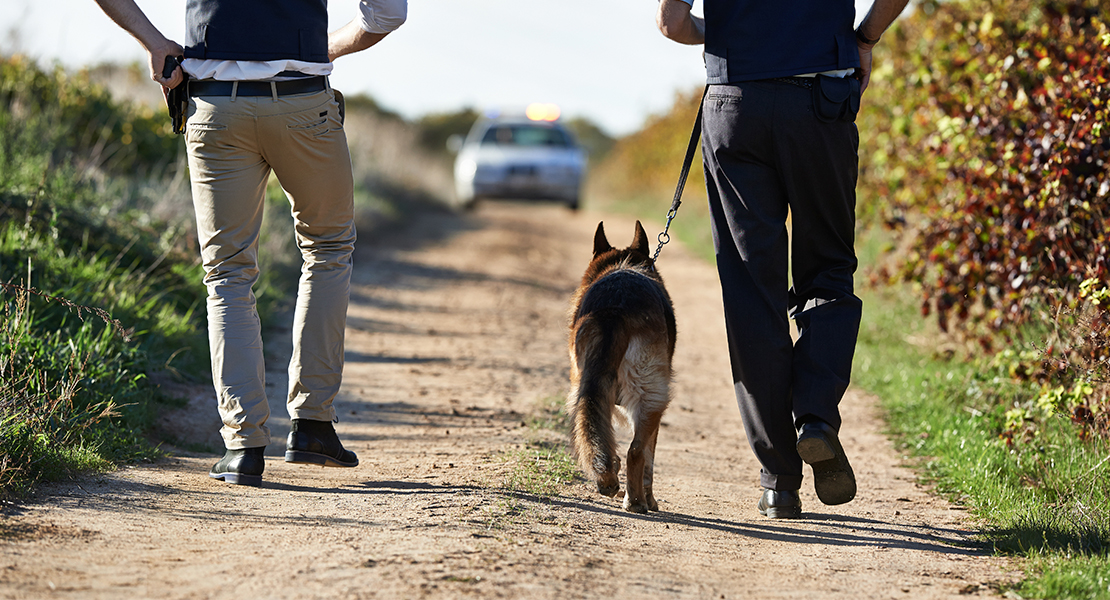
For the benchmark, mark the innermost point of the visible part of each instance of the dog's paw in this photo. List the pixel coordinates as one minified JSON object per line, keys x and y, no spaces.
{"x":609,"y":483}
{"x":651,"y":503}
{"x":608,"y":488}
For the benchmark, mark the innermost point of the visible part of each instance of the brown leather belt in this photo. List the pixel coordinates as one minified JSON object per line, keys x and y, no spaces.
{"x":258,"y":88}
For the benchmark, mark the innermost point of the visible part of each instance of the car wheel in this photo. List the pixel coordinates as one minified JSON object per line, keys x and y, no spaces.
{"x":573,"y":203}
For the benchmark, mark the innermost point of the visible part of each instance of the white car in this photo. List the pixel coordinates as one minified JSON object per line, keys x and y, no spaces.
{"x":519,"y":157}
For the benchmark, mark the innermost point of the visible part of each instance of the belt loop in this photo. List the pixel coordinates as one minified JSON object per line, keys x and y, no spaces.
{"x":234,"y":90}
{"x":327,"y":83}
{"x":273,"y":90}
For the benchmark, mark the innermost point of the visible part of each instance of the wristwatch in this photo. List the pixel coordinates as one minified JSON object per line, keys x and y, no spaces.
{"x":863,"y":38}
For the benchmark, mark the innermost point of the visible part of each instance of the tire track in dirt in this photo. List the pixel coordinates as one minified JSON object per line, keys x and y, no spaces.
{"x":456,"y":334}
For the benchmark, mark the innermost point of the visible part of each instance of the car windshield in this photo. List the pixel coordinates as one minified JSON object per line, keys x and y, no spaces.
{"x":525,"y":135}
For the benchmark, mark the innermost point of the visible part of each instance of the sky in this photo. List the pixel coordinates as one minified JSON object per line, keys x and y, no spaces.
{"x":600,"y":59}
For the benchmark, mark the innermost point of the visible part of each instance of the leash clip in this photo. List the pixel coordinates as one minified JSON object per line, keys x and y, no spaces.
{"x":691,"y":148}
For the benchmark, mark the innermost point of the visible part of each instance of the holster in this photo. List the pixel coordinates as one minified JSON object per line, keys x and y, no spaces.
{"x":836,"y":98}
{"x":342,"y":104}
{"x":177,"y":99}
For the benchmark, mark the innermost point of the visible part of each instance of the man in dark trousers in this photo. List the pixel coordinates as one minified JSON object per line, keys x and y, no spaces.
{"x":260,"y":102}
{"x":779,"y":138}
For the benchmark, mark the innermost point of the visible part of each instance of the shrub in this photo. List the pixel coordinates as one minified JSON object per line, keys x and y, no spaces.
{"x":1030,"y":216}
{"x":994,"y":150}
{"x":76,"y":121}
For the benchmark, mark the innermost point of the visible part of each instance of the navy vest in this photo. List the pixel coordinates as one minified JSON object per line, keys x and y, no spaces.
{"x":257,"y":30}
{"x":747,"y":40}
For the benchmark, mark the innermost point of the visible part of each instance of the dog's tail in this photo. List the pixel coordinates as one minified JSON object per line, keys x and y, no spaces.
{"x":600,"y":343}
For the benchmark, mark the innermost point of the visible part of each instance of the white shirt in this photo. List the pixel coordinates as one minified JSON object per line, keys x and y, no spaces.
{"x":375,"y":16}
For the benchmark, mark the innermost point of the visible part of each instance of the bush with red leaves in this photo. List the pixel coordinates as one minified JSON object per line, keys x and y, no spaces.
{"x":992,"y":142}
{"x":1032,"y":214}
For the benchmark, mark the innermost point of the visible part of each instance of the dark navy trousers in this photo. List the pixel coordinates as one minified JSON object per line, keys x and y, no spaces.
{"x":767,"y":156}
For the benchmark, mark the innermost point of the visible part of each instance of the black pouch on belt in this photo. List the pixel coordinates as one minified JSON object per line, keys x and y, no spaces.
{"x":836,"y":98}
{"x":177,"y":99}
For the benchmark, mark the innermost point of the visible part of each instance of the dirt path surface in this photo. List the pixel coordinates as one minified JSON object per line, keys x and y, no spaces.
{"x":456,"y":339}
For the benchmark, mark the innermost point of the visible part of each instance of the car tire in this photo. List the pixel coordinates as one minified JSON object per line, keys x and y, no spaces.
{"x":573,"y":203}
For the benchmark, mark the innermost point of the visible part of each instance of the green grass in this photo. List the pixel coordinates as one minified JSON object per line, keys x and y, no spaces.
{"x":544,"y":465}
{"x":97,"y":293}
{"x":1068,"y":577}
{"x":74,"y":395}
{"x":1040,"y":492}
{"x":540,"y":469}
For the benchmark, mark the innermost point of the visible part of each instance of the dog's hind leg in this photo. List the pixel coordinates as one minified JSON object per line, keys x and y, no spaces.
{"x":638,"y":451}
{"x":649,"y":469}
{"x":654,"y":402}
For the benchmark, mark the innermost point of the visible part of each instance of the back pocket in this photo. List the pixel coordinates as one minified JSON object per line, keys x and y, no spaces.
{"x":196,"y":131}
{"x":315,"y":127}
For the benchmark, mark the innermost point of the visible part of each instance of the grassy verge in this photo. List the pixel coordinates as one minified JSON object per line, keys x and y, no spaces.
{"x":983,"y":440}
{"x":74,"y":394}
{"x":97,"y":291}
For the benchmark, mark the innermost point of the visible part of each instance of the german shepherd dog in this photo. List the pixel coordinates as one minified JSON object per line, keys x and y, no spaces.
{"x":622,"y":334}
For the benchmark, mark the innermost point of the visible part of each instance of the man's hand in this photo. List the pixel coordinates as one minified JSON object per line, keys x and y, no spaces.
{"x":676,"y":23}
{"x":864,"y":74}
{"x":879,"y":17}
{"x":158,"y":57}
{"x":127,"y":15}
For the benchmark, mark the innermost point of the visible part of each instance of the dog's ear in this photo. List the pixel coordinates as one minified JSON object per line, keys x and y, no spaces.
{"x":601,"y":244}
{"x":640,"y":240}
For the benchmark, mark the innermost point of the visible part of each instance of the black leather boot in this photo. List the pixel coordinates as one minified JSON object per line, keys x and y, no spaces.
{"x":780,"y":504}
{"x":833,"y":478}
{"x":241,"y":467}
{"x":315,"y":443}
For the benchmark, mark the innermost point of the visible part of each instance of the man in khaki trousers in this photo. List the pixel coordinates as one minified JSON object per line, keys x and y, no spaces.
{"x":260,"y":102}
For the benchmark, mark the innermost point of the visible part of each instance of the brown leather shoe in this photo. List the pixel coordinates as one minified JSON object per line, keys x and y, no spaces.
{"x":780,"y":504}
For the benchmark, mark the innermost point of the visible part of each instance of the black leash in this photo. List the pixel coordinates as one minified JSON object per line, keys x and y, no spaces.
{"x":695,"y":136}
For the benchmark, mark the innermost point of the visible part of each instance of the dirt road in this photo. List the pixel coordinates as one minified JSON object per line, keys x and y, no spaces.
{"x":456,"y":342}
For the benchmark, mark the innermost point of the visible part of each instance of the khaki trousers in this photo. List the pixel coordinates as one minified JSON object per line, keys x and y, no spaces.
{"x":233,"y":145}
